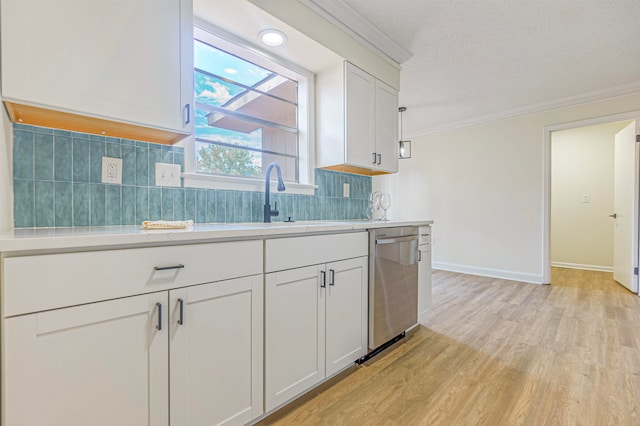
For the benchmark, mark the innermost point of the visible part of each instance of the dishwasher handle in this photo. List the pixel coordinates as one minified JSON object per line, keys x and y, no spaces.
{"x":397,"y":240}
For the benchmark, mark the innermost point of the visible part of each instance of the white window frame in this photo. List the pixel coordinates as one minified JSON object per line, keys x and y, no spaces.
{"x":306,"y":142}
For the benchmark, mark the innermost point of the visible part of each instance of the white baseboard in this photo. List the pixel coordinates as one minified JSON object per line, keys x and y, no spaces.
{"x":486,"y":272}
{"x":599,"y":268}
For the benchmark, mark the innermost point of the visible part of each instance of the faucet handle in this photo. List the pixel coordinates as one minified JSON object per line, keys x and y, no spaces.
{"x":275,"y":211}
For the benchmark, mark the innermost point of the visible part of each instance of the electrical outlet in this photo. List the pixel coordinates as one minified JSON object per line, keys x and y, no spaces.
{"x":345,"y":190}
{"x":112,"y":170}
{"x":168,"y":174}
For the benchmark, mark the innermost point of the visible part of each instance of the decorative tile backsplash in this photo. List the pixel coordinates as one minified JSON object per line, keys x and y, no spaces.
{"x":57,"y":182}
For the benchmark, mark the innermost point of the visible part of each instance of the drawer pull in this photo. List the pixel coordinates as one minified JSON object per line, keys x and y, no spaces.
{"x":159,"y":325}
{"x":181,"y":313}
{"x":166,"y":268}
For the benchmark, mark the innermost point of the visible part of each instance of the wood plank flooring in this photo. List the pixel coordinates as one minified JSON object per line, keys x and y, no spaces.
{"x":496,"y":352}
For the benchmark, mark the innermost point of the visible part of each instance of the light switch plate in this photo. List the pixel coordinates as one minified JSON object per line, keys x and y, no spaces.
{"x":112,"y":170}
{"x":345,"y":190}
{"x":168,"y":174}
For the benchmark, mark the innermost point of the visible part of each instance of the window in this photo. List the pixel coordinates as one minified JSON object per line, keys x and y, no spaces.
{"x":249,"y":111}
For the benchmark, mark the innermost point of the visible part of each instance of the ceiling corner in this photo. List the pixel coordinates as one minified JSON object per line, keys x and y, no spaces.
{"x":347,"y":19}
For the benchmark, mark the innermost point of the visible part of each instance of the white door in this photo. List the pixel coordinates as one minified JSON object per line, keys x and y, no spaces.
{"x":294,"y":333}
{"x":100,"y":364}
{"x":216,"y":352}
{"x":625,"y":233}
{"x":346,"y":313}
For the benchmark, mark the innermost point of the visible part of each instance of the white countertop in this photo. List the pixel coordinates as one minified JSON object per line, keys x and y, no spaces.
{"x":104,"y":237}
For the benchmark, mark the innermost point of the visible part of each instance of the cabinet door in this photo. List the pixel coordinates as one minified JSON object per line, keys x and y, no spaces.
{"x":119,"y":60}
{"x":424,"y":281}
{"x":100,"y":364}
{"x":346,"y":313}
{"x":294,"y":333}
{"x":387,"y":127}
{"x":216,"y":352}
{"x":359,"y":117}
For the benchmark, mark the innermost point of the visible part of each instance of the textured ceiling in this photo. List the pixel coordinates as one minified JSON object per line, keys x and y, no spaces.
{"x":475,"y":61}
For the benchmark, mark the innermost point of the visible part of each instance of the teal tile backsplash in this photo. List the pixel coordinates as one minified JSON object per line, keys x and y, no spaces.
{"x":57,"y":182}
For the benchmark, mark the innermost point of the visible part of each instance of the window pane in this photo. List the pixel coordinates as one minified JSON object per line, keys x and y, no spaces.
{"x":222,"y":94}
{"x":231,"y":136}
{"x":288,"y":165}
{"x":245,"y":115}
{"x":213,"y":91}
{"x":226,"y":65}
{"x":250,"y":133}
{"x":225,"y":160}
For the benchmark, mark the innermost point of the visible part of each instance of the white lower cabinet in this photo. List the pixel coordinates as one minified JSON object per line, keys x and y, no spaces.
{"x":424,"y":273}
{"x":315,"y":325}
{"x":188,"y":353}
{"x":100,"y":364}
{"x":216,"y":353}
{"x":346,"y":313}
{"x":111,"y":363}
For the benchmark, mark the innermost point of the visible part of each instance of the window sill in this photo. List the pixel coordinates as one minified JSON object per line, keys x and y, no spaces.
{"x":195,"y":180}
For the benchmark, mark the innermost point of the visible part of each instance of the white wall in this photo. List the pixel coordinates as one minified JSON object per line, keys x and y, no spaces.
{"x":6,"y":173}
{"x":582,"y":163}
{"x":484,"y":188}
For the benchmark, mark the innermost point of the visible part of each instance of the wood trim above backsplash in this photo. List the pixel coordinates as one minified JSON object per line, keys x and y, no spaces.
{"x":346,"y":168}
{"x":26,"y":114}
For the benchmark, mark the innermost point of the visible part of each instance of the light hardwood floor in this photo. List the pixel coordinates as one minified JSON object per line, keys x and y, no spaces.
{"x":497,"y":352}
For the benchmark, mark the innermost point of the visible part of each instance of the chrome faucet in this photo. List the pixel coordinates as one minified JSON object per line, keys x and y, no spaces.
{"x":267,"y":207}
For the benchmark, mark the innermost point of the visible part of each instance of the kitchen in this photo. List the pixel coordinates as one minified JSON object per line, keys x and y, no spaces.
{"x":510,"y":250}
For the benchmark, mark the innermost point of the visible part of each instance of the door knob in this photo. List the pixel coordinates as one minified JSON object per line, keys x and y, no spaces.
{"x":615,"y":215}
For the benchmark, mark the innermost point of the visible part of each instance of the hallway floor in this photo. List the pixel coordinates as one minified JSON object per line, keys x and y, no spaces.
{"x":496,"y":352}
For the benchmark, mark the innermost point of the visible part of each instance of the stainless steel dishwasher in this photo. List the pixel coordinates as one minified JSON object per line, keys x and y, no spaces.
{"x":393,"y":283}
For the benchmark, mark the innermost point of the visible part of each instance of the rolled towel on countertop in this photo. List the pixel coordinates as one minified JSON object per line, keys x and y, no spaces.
{"x":166,"y":224}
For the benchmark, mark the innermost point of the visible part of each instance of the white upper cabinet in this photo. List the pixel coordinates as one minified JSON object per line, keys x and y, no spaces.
{"x":357,"y":122}
{"x":386,"y":124}
{"x":360,"y":111}
{"x":122,"y":61}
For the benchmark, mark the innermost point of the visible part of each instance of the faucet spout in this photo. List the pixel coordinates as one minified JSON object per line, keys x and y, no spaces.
{"x":267,"y":206}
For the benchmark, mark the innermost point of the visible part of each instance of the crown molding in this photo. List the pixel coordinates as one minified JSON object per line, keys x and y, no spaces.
{"x":585,"y":98}
{"x":350,"y":21}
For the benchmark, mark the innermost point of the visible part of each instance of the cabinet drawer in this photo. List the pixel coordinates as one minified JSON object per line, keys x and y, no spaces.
{"x":288,"y":253}
{"x":37,"y":283}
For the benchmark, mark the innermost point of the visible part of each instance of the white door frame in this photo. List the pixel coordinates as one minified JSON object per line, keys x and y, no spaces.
{"x":546,"y":180}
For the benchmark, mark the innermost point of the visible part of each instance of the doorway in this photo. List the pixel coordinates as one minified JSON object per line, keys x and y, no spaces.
{"x":582,"y":196}
{"x":584,"y":200}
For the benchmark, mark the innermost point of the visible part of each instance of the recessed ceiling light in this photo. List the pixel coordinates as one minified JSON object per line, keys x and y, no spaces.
{"x":273,"y":38}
